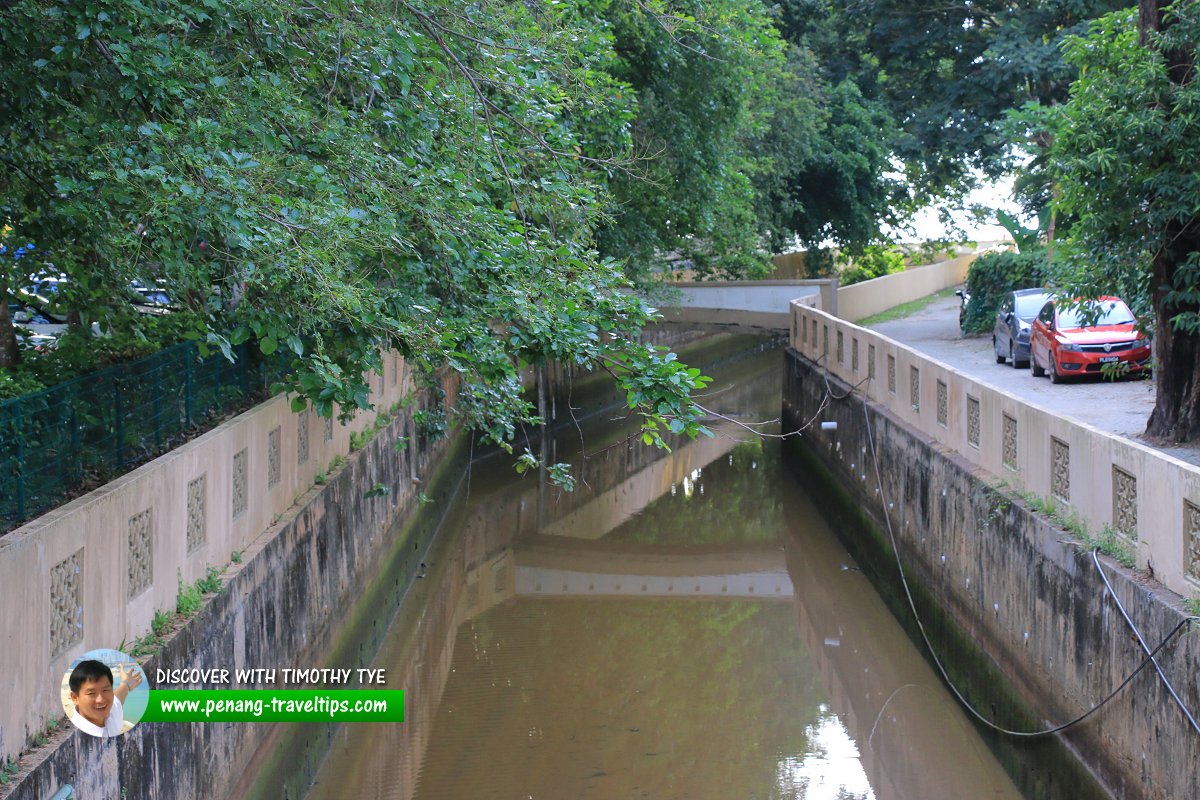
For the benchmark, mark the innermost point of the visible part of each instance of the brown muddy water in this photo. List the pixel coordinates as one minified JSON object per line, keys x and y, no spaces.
{"x":682,"y":626}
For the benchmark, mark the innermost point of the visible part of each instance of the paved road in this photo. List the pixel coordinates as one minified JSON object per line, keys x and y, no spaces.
{"x":1122,"y":407}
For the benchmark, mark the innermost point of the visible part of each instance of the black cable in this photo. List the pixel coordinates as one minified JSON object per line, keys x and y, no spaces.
{"x":1150,"y":654}
{"x":933,"y":653}
{"x":1142,"y":641}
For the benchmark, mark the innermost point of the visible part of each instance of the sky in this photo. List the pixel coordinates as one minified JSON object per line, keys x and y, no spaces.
{"x":994,"y":195}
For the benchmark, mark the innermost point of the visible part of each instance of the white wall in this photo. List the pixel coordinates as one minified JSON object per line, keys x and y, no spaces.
{"x":1103,"y":478}
{"x":862,"y":300}
{"x":757,"y":303}
{"x":68,"y":575}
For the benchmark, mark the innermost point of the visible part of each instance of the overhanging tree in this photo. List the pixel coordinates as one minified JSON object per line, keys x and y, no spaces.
{"x":707,"y":77}
{"x":949,"y":72}
{"x":1126,"y":156}
{"x":330,"y":179}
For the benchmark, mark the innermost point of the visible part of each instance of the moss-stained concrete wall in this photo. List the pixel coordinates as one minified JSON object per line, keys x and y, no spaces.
{"x":313,"y":591}
{"x":94,"y":572}
{"x":1016,"y":609}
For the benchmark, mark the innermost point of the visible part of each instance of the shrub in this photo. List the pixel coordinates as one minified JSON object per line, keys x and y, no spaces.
{"x":875,"y":261}
{"x":15,"y":383}
{"x":211,"y":582}
{"x":819,"y":263}
{"x":79,"y":352}
{"x":161,"y":622}
{"x":431,"y":424}
{"x":993,"y":275}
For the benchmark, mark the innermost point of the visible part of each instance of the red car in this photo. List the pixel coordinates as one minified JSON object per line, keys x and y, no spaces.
{"x":1079,"y":339}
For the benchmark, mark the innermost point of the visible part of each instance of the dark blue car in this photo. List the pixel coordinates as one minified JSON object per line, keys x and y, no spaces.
{"x":1014,"y":319}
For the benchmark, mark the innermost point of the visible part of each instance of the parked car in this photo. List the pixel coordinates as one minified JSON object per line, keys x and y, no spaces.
{"x":34,"y":329}
{"x":42,"y":296}
{"x":1014,"y":320}
{"x":1071,"y":339}
{"x":24,"y":314}
{"x":151,"y":299}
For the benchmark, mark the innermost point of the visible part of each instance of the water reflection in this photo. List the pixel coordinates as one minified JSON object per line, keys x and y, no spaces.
{"x":913,"y":739}
{"x":831,"y":770}
{"x":680,"y":627}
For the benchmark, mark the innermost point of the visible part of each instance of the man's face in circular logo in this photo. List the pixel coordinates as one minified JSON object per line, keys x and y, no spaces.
{"x":94,"y":700}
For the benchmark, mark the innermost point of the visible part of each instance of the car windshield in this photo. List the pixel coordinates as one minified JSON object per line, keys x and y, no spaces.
{"x":1029,"y":305}
{"x":155,"y":296}
{"x":32,"y":315}
{"x":1093,"y":314}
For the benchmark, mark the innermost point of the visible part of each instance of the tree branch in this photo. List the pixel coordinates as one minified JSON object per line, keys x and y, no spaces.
{"x":26,"y":173}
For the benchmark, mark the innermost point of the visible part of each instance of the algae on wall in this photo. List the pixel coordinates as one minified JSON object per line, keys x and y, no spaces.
{"x":1018,"y":613}
{"x":287,"y":604}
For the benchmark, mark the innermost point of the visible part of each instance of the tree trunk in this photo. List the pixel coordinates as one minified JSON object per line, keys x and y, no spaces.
{"x":10,"y":354}
{"x":1176,"y":415}
{"x":1149,"y":17}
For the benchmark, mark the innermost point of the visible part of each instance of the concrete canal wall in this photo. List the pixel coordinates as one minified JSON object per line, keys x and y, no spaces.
{"x":862,"y":300}
{"x":306,"y":553}
{"x":1144,"y":498}
{"x":1017,"y":609}
{"x":321,"y":568}
{"x":749,"y":304}
{"x":766,"y":304}
{"x":93,"y":572}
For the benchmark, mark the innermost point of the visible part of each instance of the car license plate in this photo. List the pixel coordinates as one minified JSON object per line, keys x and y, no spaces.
{"x":1109,"y":359}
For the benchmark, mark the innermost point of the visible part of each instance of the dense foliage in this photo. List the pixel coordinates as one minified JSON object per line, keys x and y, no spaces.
{"x":874,"y":261}
{"x":949,"y":73}
{"x":994,"y":275}
{"x":1112,"y":163}
{"x":476,"y":184}
{"x":749,"y":156}
{"x":1125,"y":157}
{"x":336,"y":178}
{"x":836,"y":183}
{"x":704,"y":94}
{"x":77,"y":352}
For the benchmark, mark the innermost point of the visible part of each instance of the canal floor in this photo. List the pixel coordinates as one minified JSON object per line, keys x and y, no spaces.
{"x":679,"y":626}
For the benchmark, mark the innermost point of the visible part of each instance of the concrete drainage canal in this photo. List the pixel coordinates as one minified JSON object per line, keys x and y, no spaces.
{"x":681,"y":625}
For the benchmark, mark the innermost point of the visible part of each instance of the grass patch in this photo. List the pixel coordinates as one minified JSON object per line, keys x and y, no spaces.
{"x":904,"y":309}
{"x":1109,"y":541}
{"x":153,"y":641}
{"x":187,"y":602}
{"x":1115,"y":545}
{"x":359,"y":439}
{"x":1192,"y":605}
{"x":161,"y":623}
{"x":211,"y":582}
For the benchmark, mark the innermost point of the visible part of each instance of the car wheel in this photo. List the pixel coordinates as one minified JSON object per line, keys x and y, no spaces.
{"x":1012,"y":355}
{"x":996,"y":350}
{"x":1033,"y":366}
{"x":1054,"y":376}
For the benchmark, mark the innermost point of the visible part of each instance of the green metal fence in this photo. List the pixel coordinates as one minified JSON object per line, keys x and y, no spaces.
{"x":59,"y":441}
